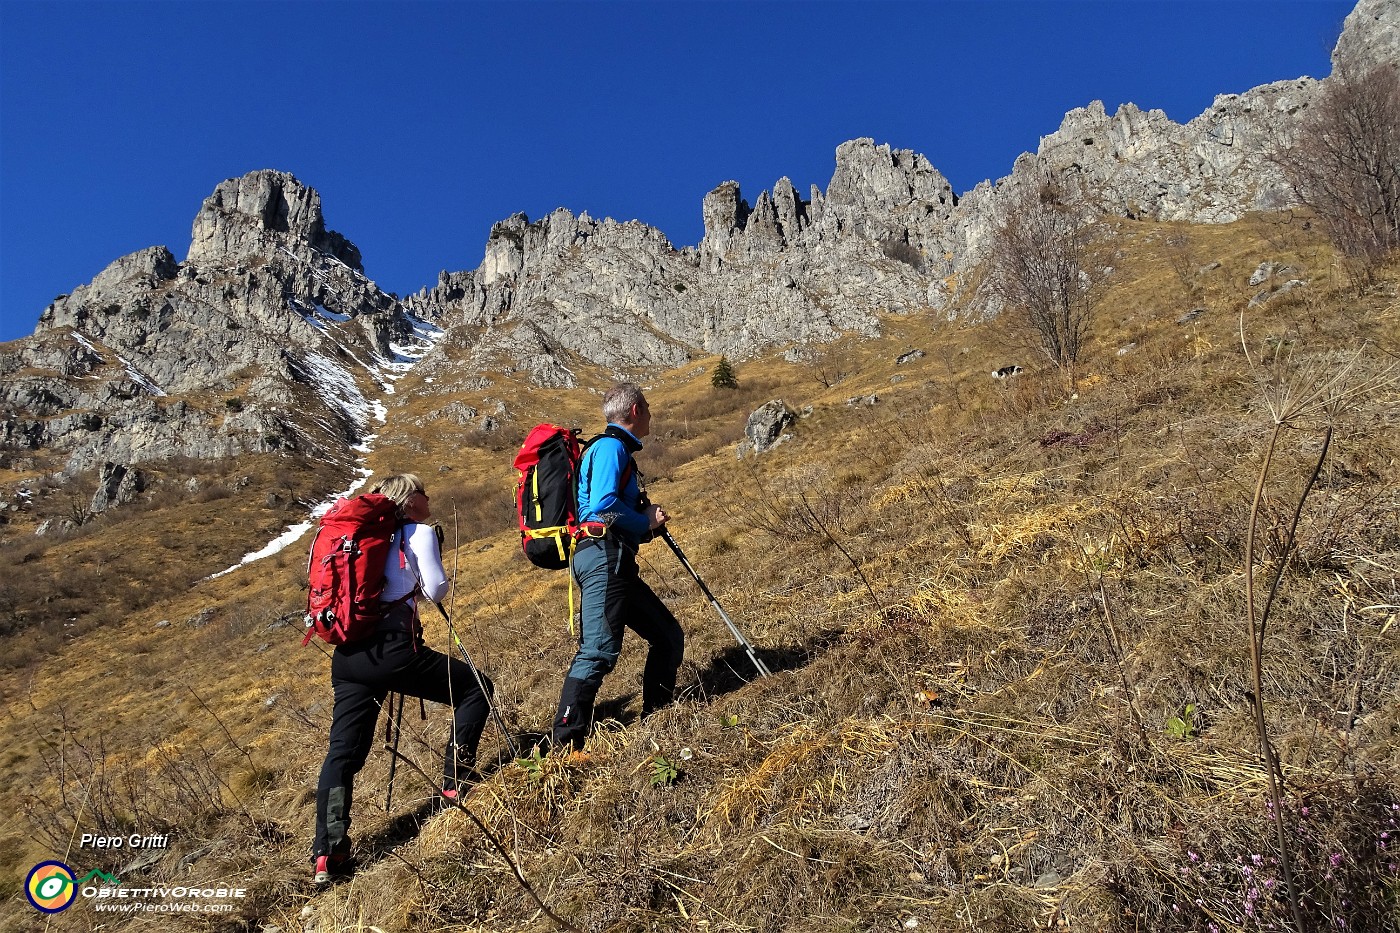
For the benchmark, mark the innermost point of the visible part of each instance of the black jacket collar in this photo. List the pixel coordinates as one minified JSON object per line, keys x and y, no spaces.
{"x":628,"y":441}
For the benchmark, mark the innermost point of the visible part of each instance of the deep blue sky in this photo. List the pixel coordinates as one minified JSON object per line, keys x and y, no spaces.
{"x":421,"y":124}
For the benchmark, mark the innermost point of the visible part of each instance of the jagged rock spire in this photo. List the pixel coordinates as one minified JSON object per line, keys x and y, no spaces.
{"x":255,"y":214}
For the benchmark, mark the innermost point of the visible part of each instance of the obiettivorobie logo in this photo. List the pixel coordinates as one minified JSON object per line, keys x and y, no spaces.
{"x":51,"y":887}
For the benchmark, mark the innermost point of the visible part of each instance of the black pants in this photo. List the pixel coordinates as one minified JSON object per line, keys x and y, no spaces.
{"x":363,"y":674}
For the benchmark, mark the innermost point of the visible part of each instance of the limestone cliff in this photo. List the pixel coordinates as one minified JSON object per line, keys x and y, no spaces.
{"x":267,"y":337}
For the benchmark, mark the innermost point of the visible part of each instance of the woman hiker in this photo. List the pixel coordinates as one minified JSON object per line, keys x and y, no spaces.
{"x":394,"y":659}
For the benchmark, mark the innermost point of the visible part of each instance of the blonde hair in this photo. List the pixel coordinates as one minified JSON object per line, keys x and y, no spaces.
{"x":400,"y":487}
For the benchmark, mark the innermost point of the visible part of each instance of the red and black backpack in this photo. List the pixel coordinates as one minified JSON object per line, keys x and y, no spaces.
{"x":546,"y":494}
{"x":346,"y":568}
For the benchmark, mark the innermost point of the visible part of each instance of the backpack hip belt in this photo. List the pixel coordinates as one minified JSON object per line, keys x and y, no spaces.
{"x":591,"y":530}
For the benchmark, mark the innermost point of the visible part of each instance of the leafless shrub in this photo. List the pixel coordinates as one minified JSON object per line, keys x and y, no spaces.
{"x":1184,"y":264}
{"x":807,"y":511}
{"x":1282,"y":229}
{"x":96,"y":786}
{"x":1313,"y":399}
{"x":479,"y":509}
{"x":903,"y":251}
{"x":1042,"y":272}
{"x":1344,"y":165}
{"x":832,"y":365}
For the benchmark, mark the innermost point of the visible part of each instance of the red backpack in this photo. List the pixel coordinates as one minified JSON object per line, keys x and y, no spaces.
{"x":346,"y":568}
{"x":546,"y":494}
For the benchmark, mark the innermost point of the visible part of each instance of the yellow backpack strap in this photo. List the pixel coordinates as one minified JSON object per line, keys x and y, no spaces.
{"x":573,"y":632}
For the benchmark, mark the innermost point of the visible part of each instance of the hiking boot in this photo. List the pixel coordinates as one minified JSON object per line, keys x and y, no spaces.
{"x":330,"y":867}
{"x":574,"y":719}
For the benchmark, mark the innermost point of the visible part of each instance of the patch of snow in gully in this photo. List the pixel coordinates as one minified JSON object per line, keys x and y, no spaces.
{"x":339,"y":390}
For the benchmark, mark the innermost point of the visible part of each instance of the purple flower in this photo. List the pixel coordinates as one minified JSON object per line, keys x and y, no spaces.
{"x":1335,"y":859}
{"x":1193,"y":856}
{"x":1257,"y":859}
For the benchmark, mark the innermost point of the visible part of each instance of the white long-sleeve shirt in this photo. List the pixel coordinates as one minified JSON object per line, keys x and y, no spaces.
{"x":415,"y":566}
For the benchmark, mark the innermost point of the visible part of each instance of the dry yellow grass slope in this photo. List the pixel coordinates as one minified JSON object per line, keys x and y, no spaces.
{"x":1006,"y":621}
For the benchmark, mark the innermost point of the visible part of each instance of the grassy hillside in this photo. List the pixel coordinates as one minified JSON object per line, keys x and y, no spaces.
{"x":1007,"y":620}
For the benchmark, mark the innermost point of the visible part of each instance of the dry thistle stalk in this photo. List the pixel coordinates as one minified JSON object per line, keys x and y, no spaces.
{"x":1310,"y":398}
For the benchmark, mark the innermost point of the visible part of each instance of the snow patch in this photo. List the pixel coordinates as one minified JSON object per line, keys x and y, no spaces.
{"x":139,"y":378}
{"x":88,"y":344}
{"x":328,"y":314}
{"x":294,"y":532}
{"x":336,"y":386}
{"x":131,"y":371}
{"x":425,"y":337}
{"x":316,"y":314}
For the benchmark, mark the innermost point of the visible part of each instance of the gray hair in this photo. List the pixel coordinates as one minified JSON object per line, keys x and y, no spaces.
{"x":618,"y":401}
{"x":399,"y":487}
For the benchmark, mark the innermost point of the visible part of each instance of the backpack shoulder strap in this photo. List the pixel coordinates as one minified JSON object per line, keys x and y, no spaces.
{"x":629,"y":446}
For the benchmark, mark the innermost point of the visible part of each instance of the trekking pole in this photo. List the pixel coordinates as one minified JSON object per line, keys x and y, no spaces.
{"x":763,"y":670}
{"x":394,"y":761}
{"x":490,"y":704}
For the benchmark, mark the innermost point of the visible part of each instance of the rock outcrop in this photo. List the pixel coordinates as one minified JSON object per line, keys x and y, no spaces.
{"x":1370,"y":37}
{"x":116,"y":484}
{"x":258,"y":215}
{"x":265,"y":338}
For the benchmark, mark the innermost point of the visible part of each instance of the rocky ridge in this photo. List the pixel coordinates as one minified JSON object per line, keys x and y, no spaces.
{"x":887,"y":236}
{"x":269,"y":337}
{"x":785,"y":270}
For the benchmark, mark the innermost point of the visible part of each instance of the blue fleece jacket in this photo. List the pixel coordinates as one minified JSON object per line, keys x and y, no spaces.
{"x":598,"y":495}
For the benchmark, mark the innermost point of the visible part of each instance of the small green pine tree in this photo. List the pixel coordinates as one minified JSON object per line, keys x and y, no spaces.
{"x":723,"y":377}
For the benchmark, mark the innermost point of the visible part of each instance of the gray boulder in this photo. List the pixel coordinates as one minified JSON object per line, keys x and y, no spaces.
{"x":766,"y":424}
{"x":1265,"y":271}
{"x":116,"y":484}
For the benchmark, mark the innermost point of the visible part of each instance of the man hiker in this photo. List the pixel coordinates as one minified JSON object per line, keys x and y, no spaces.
{"x":616,"y":520}
{"x":393,"y":657}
